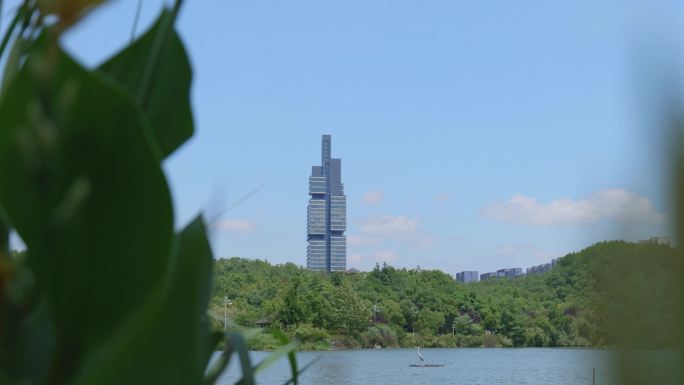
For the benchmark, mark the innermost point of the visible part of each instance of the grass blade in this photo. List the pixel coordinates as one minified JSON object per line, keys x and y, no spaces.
{"x":290,"y":356}
{"x":277,"y":354}
{"x":10,"y":29}
{"x":304,"y":368}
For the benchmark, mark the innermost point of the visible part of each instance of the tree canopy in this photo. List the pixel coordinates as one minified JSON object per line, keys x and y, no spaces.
{"x":575,"y":304}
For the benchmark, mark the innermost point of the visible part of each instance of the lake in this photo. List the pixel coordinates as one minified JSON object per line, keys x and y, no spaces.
{"x":544,"y":366}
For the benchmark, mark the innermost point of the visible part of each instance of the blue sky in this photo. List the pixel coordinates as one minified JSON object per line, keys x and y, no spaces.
{"x":473,"y":135}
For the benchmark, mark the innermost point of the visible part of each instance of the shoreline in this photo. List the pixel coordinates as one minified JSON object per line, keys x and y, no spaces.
{"x":443,"y":348}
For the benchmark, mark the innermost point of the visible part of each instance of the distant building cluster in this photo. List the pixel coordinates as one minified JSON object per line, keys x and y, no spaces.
{"x":543,"y":268}
{"x":656,"y":241}
{"x":503,"y":273}
{"x":471,"y":276}
{"x":466,"y":276}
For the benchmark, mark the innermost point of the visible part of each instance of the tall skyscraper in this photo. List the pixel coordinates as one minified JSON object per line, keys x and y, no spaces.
{"x":326,"y":215}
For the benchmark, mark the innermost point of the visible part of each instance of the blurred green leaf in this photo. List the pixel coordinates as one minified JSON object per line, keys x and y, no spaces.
{"x":213,"y":340}
{"x":4,"y":235}
{"x":291,"y":356}
{"x":239,"y":343}
{"x":11,"y":65}
{"x":247,"y":334}
{"x":10,"y":30}
{"x":167,"y":106}
{"x":236,"y":341}
{"x":299,"y":372}
{"x":80,"y":184}
{"x":219,"y":365}
{"x":280,"y":352}
{"x":37,"y":345}
{"x":105,"y":293}
{"x":166,"y":341}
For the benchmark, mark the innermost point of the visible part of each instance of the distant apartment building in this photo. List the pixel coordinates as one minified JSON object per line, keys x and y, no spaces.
{"x":326,"y":215}
{"x":509,"y":273}
{"x":467,"y":276}
{"x":502,"y":274}
{"x":543,"y":268}
{"x":656,"y":241}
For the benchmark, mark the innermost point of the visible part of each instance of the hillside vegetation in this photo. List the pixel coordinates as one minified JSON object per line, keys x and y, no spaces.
{"x":592,"y":298}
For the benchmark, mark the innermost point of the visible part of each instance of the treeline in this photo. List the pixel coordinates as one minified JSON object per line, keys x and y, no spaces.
{"x":592,"y":298}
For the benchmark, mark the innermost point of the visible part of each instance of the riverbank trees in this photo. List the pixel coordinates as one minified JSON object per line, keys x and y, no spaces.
{"x":388,"y":307}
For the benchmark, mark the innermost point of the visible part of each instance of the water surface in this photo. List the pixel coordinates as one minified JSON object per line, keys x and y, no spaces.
{"x":544,"y":366}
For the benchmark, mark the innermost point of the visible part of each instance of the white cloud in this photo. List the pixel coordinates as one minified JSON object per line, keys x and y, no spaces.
{"x":235,"y":225}
{"x":385,"y":256}
{"x":356,"y":257}
{"x":442,"y":197}
{"x":373,"y":197}
{"x":615,"y":204}
{"x":391,"y":231}
{"x":368,"y":260}
{"x":426,"y":241}
{"x":518,"y":251}
{"x":361,"y":241}
{"x":390,"y":226}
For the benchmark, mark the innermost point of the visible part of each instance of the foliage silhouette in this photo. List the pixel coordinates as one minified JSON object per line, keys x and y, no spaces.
{"x":106,"y":292}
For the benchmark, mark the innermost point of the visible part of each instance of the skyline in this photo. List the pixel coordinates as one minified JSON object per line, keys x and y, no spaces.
{"x":472,"y":139}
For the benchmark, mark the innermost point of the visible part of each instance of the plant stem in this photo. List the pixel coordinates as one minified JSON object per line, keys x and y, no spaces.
{"x":10,"y":30}
{"x":135,"y":20}
{"x":159,"y":40}
{"x":4,"y":234}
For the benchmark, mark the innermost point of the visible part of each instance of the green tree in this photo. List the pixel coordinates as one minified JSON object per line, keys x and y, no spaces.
{"x":349,"y":312}
{"x":292,"y":309}
{"x":528,"y":311}
{"x":464,"y":325}
{"x":391,"y":312}
{"x":429,"y":321}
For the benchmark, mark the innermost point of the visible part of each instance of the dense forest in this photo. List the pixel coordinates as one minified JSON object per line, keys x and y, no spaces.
{"x":595,"y":298}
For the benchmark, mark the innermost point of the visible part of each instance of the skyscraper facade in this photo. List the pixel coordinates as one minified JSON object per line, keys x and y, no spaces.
{"x":326,"y":215}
